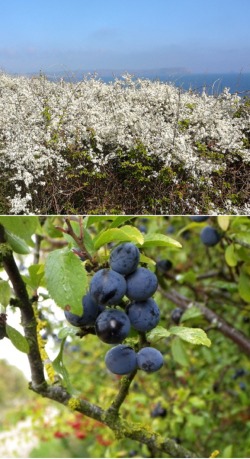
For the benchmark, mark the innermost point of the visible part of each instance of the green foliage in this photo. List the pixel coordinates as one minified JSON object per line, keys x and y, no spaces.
{"x":13,"y":386}
{"x":184,"y":124}
{"x":46,"y":114}
{"x":4,"y":293}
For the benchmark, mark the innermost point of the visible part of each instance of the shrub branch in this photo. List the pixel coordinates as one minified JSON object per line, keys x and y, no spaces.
{"x":27,"y":314}
{"x":218,"y":323}
{"x":110,"y":417}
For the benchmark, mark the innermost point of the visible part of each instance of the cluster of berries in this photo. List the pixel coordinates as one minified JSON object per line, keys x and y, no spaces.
{"x":112,"y":324}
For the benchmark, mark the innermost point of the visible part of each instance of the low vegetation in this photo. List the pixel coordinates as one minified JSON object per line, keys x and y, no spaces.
{"x":132,"y":146}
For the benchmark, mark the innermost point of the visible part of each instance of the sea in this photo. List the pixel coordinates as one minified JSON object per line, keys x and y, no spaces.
{"x":213,"y":83}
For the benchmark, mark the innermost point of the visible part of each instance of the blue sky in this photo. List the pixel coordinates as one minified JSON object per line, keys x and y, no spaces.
{"x":198,"y":35}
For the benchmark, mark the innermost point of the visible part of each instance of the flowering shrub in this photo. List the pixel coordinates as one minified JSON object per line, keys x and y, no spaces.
{"x":132,"y":146}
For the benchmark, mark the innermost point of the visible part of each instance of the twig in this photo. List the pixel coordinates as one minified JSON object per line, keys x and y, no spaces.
{"x":220,"y":324}
{"x":123,"y":392}
{"x":79,"y":240}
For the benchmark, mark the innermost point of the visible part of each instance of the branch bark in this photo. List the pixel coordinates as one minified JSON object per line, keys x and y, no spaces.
{"x":112,"y":419}
{"x":27,"y":314}
{"x":222,"y":325}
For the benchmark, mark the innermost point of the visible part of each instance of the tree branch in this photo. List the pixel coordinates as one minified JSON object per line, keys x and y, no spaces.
{"x":123,"y":392}
{"x":119,"y":426}
{"x":27,"y":313}
{"x":222,"y":325}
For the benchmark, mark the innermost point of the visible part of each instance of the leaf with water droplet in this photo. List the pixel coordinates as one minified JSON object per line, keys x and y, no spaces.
{"x":66,"y":279}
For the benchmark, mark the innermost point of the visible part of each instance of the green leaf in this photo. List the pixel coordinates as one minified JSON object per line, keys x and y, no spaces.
{"x":5,"y":293}
{"x":191,"y":313}
{"x":92,"y":220}
{"x":188,"y":276}
{"x":223,"y":222}
{"x":229,"y":286}
{"x":159,"y":240}
{"x":18,"y":340}
{"x":158,"y":333}
{"x":191,"y":335}
{"x":119,"y":221}
{"x":49,"y":227}
{"x":191,"y":226}
{"x":126,"y":233}
{"x":147,"y":260}
{"x":179,"y":352}
{"x":36,"y":276}
{"x":196,"y":420}
{"x":227,"y":452}
{"x":243,"y":237}
{"x":88,"y":242}
{"x":60,"y":368}
{"x":23,"y":227}
{"x":18,"y":245}
{"x":67,"y":331}
{"x":244,"y":286}
{"x":230,"y":256}
{"x":66,"y":279}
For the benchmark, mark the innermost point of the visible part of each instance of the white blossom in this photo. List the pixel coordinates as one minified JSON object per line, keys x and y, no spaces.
{"x":39,"y":120}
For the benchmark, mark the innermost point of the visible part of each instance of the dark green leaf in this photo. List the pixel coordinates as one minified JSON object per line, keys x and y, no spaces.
{"x":23,"y":227}
{"x":60,"y":368}
{"x":5,"y":293}
{"x":17,"y":244}
{"x":18,"y":340}
{"x":66,"y":279}
{"x":244,"y":286}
